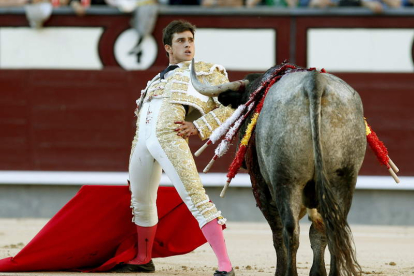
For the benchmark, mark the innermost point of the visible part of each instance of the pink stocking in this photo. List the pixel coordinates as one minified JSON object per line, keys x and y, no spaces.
{"x":146,"y":237}
{"x":214,"y":235}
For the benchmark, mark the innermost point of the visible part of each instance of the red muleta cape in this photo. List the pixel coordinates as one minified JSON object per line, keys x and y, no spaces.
{"x":93,"y":232}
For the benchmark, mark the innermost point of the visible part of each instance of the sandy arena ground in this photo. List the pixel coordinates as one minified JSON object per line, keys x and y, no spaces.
{"x":381,"y":250}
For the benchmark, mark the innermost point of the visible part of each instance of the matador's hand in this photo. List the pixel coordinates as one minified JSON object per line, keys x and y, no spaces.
{"x":186,"y":129}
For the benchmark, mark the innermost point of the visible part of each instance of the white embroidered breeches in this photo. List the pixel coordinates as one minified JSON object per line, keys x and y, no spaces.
{"x":157,"y":147}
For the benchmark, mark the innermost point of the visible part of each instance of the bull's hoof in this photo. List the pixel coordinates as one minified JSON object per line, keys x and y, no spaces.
{"x":131,"y":268}
{"x":219,"y":273}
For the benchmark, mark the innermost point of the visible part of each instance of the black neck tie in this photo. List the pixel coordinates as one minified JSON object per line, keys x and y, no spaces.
{"x":166,"y":70}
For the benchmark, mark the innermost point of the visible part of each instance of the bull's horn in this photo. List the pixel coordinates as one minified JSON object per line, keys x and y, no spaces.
{"x":214,"y":91}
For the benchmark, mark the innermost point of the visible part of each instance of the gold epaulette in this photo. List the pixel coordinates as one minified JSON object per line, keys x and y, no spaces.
{"x":204,"y":68}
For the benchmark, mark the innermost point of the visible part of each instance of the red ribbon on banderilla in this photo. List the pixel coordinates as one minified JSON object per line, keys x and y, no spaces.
{"x":381,"y":151}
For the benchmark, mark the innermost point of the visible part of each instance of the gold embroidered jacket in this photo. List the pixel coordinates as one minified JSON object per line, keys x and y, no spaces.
{"x":205,"y":112}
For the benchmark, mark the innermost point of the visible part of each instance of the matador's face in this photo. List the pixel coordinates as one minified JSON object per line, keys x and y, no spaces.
{"x":182,"y":48}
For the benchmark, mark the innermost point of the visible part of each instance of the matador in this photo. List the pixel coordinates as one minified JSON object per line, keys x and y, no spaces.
{"x":169,"y":111}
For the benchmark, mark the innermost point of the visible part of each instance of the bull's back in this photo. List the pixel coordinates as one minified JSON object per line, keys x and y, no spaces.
{"x":284,"y":132}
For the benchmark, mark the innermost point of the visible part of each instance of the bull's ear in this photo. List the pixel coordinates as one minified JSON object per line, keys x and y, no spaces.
{"x":233,"y":98}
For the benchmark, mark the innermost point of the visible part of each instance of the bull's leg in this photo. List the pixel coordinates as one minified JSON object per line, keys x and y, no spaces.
{"x":272,"y":216}
{"x":317,"y":234}
{"x":318,"y":243}
{"x":289,"y":206}
{"x":268,"y":207}
{"x":277,"y":230}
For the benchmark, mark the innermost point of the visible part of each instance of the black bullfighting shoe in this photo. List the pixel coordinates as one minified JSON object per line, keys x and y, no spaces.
{"x":132,"y":268}
{"x":219,"y":273}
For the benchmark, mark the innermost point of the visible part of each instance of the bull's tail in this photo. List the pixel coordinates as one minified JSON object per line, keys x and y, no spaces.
{"x":337,"y":230}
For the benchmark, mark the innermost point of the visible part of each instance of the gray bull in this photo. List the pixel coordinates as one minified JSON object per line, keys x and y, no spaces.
{"x":307,"y":150}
